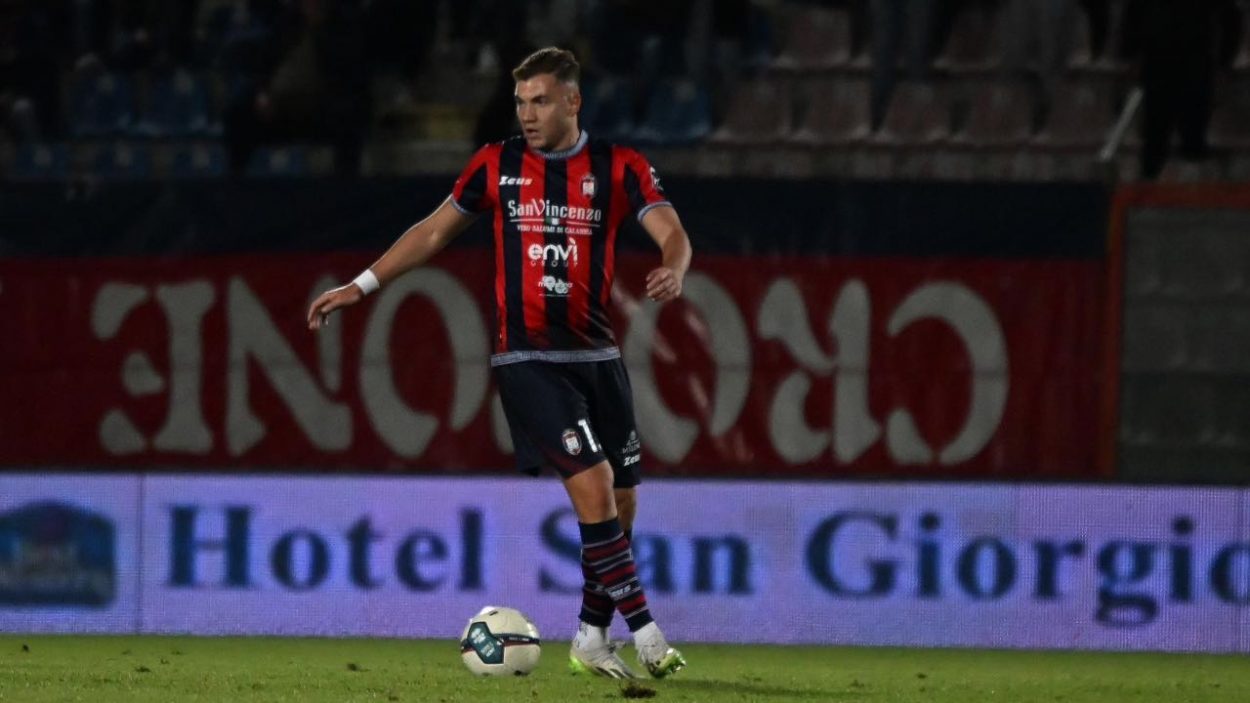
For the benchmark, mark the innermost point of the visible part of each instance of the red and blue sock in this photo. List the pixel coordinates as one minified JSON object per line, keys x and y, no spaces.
{"x":611,"y":577}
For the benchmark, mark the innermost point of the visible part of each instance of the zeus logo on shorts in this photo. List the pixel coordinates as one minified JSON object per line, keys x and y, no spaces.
{"x":572,"y":443}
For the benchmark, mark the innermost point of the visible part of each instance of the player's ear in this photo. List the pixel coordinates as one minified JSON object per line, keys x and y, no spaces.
{"x":574,"y":98}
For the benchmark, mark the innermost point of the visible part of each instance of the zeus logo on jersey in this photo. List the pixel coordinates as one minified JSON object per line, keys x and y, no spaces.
{"x":554,"y":253}
{"x":539,"y":207}
{"x":514,"y":181}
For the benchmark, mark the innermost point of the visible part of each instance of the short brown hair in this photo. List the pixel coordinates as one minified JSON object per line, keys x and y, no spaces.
{"x":560,"y":63}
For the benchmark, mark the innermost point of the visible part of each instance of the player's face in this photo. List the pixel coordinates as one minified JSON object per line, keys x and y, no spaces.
{"x":547,"y":110}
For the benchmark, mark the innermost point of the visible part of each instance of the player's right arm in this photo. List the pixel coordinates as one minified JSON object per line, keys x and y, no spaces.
{"x":413,"y":248}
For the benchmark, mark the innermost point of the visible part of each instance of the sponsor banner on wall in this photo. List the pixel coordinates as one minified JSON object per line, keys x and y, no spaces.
{"x":798,"y":366}
{"x":69,"y":553}
{"x":781,"y":562}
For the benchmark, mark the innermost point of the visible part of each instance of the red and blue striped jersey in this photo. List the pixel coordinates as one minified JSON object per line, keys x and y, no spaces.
{"x":556,"y":218}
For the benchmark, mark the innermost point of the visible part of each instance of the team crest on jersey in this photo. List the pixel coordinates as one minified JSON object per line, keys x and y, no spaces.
{"x":572,"y":444}
{"x":588,"y":186}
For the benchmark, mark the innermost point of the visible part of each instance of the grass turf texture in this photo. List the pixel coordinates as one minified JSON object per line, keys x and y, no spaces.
{"x":106,"y":669}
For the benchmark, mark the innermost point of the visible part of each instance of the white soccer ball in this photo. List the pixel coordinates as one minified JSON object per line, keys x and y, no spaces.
{"x":500,"y":642}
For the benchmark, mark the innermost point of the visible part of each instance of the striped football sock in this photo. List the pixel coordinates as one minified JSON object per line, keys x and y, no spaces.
{"x":606,"y":550}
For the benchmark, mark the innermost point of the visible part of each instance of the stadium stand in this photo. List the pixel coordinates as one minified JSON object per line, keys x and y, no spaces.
{"x":836,"y":112}
{"x":746,"y":77}
{"x":678,"y":112}
{"x":817,"y":38}
{"x":759,"y":113}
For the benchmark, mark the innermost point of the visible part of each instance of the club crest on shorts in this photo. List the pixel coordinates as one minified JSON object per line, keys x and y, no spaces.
{"x":588,"y":186}
{"x":572,"y":443}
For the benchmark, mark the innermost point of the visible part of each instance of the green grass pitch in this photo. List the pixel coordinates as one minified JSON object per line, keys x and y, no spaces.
{"x":107,"y":669}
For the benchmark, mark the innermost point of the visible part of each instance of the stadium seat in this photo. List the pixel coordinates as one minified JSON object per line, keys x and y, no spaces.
{"x":1232,"y":422}
{"x":1230,"y":121}
{"x":759,"y":113}
{"x":608,"y":108}
{"x":1219,"y":336}
{"x":122,"y":161}
{"x":918,"y":113}
{"x":1081,"y":114}
{"x":101,"y":105}
{"x":1210,"y":271}
{"x":198,"y":161}
{"x":815,"y":38}
{"x":678,"y":112}
{"x":176,"y":106}
{"x":38,"y":162}
{"x":837,"y":113}
{"x":999,"y":115}
{"x":975,"y":42}
{"x":1080,"y":48}
{"x":1156,"y":338}
{"x":1168,"y":409}
{"x":279,"y":161}
{"x":1080,"y":58}
{"x":1242,"y":60}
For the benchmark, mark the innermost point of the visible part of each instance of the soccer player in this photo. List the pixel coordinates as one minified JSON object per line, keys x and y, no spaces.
{"x":557,"y":198}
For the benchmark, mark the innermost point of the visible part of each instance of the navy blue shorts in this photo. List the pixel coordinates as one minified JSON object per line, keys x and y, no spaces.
{"x":569,"y":417}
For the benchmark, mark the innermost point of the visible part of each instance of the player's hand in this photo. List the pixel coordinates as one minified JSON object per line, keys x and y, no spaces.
{"x":331,"y":300}
{"x":663,"y":284}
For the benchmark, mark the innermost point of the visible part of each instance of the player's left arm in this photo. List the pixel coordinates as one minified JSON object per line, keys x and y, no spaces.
{"x":664,"y":226}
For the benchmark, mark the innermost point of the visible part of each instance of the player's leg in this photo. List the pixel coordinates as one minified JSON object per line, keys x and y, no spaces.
{"x":608,"y":553}
{"x":549,"y":420}
{"x":592,"y":650}
{"x":603,"y":547}
{"x":626,"y":508}
{"x":613,"y":421}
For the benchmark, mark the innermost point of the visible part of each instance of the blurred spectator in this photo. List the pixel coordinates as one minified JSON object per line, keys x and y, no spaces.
{"x":723,"y":41}
{"x":1041,"y":38}
{"x":901,"y":29}
{"x":498,"y":22}
{"x":552,"y":23}
{"x":32,"y":34}
{"x":132,"y":35}
{"x":1099,"y":14}
{"x":318,"y":91}
{"x":401,"y":34}
{"x":1178,"y":46}
{"x":639,"y":38}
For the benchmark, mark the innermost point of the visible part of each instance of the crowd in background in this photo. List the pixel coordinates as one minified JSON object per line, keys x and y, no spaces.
{"x":303,"y":69}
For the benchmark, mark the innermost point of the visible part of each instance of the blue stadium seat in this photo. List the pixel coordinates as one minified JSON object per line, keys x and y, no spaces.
{"x":198,"y":161}
{"x":678,"y":112}
{"x":123,"y":161}
{"x":101,"y":106}
{"x":279,"y":161}
{"x":177,"y":106}
{"x":608,"y":108}
{"x":39,"y":162}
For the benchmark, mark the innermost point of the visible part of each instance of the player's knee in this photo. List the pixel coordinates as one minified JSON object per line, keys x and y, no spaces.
{"x":592,"y":494}
{"x":626,"y":506}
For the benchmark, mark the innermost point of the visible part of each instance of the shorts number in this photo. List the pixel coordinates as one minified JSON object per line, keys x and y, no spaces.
{"x":590,"y":439}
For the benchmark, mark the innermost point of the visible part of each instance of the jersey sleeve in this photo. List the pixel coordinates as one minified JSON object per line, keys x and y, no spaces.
{"x":642,"y":185}
{"x":472,"y":193}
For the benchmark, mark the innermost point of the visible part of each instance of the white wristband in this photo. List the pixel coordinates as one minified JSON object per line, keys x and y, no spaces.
{"x":367,"y":281}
